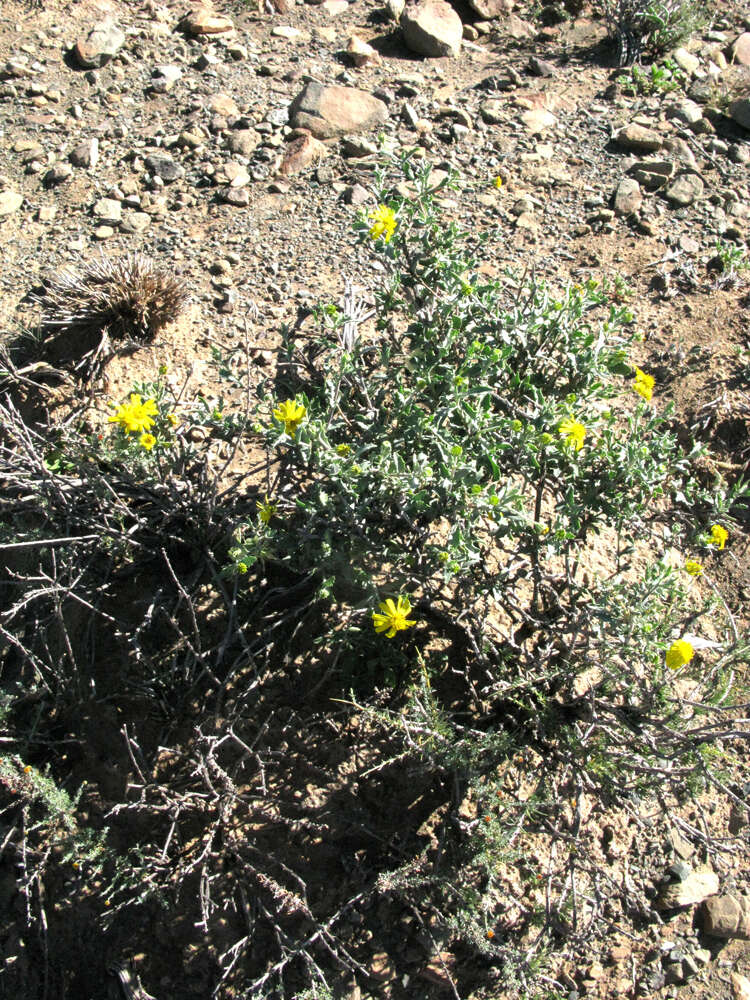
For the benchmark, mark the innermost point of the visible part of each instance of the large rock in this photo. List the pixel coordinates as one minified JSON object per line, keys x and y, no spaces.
{"x":432,"y":28}
{"x":741,"y":49}
{"x":628,"y":197}
{"x":639,"y":138}
{"x":684,"y":190}
{"x":740,"y":111}
{"x":685,"y":111}
{"x":327,"y":112}
{"x":10,"y":201}
{"x":164,"y":167}
{"x":694,"y":888}
{"x":223,"y":104}
{"x":362,"y":54}
{"x":491,"y":8}
{"x":727,"y":917}
{"x":108,"y":210}
{"x":85,"y":154}
{"x":103,"y":41}
{"x":301,"y":153}
{"x":205,"y":21}
{"x":243,"y":141}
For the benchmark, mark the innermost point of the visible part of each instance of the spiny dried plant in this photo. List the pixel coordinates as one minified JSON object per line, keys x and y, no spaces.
{"x":128,"y":298}
{"x":88,"y":307}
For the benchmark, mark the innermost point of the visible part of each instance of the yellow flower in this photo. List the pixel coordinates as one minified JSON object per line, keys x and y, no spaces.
{"x":392,"y":618}
{"x":383,"y":221}
{"x":173,"y":419}
{"x":693,"y":567}
{"x":147,"y":441}
{"x":290,"y":414}
{"x":498,"y":182}
{"x":719,"y":536}
{"x":573,"y":432}
{"x":679,"y":653}
{"x":136,"y":416}
{"x":343,"y":450}
{"x":266,"y":510}
{"x":643,"y":384}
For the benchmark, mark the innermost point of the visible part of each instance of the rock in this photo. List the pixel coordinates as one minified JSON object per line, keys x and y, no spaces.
{"x":689,"y":245}
{"x":727,"y":917}
{"x":16,"y":69}
{"x":190,"y":140}
{"x":681,"y":151}
{"x":686,"y":61}
{"x":327,"y":112}
{"x":628,"y":197}
{"x":163,"y":78}
{"x":10,"y":201}
{"x":235,"y":174}
{"x":382,"y":968}
{"x":439,"y":970}
{"x":356,"y":195}
{"x":639,"y":138}
{"x":684,"y":190}
{"x":58,"y":174}
{"x":538,"y":120}
{"x":518,"y":28}
{"x":432,"y":28}
{"x":243,"y":142}
{"x":135,"y":222}
{"x":493,"y":111}
{"x":239,"y":197}
{"x":702,"y":91}
{"x":685,"y":111}
{"x":362,"y":54}
{"x":224,"y":105}
{"x":489,"y":9}
{"x":164,"y":167}
{"x":740,"y":986}
{"x":286,"y":31}
{"x":228,"y":301}
{"x":664,"y":168}
{"x":302,"y":153}
{"x":103,"y":232}
{"x":204,"y":21}
{"x":741,"y":49}
{"x":739,"y":815}
{"x":739,"y":111}
{"x":356,"y":148}
{"x":108,"y":210}
{"x":540,"y":67}
{"x":521,"y":205}
{"x":85,"y":154}
{"x":103,"y":42}
{"x":694,"y":889}
{"x":395,"y":9}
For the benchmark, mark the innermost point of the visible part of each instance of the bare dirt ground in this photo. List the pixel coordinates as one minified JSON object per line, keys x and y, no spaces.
{"x":313,"y":825}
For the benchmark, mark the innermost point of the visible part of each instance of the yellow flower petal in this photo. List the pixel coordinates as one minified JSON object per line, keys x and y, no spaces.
{"x":679,"y":653}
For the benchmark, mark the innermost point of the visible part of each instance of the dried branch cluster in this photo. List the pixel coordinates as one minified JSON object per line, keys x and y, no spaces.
{"x":127,"y":298}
